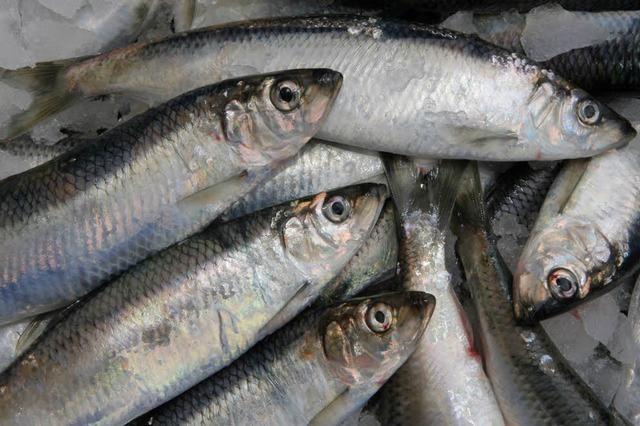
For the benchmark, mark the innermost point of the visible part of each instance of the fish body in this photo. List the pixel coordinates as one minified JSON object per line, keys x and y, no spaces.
{"x":533,"y":384}
{"x":520,"y":192}
{"x":376,"y":261}
{"x":585,"y":238}
{"x":430,"y":84}
{"x":70,"y":224}
{"x":24,"y":153}
{"x":183,"y":314}
{"x":323,"y":365}
{"x":442,"y":382}
{"x":316,"y":168}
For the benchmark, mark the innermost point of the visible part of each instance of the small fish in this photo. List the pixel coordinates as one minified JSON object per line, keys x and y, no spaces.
{"x":586,"y":238}
{"x":533,"y":384}
{"x":179,"y":316}
{"x":442,"y":383}
{"x":72,"y":223}
{"x":398,"y":75}
{"x":321,"y":367}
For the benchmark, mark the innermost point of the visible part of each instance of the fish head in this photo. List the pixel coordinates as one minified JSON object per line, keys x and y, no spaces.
{"x":321,"y":234}
{"x":562,"y":121}
{"x":273,"y":115}
{"x":365,"y":340}
{"x":560,"y":266}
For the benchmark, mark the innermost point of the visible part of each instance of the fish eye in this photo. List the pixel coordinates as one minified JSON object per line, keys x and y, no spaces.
{"x":588,"y":112}
{"x":337,"y":209}
{"x":562,"y":283}
{"x":379,"y":317}
{"x":285,"y":95}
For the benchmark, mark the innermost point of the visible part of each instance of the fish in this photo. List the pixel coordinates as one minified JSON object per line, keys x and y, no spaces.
{"x":376,"y":261}
{"x":442,"y":382}
{"x":599,"y":53}
{"x":532,"y":382}
{"x":318,"y":167}
{"x":24,"y":153}
{"x":513,"y":204}
{"x":74,"y":222}
{"x":520,"y":192}
{"x":397,"y":74}
{"x":322,"y":366}
{"x":178,"y":317}
{"x":586,"y":238}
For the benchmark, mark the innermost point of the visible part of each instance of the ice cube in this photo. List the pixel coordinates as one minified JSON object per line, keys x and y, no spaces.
{"x":460,"y":21}
{"x":66,"y":8}
{"x":568,"y":334}
{"x":551,"y":30}
{"x":600,"y":317}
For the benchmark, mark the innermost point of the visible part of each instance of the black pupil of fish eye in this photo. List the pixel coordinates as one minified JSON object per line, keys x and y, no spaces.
{"x":589,"y":111}
{"x":564,"y":284}
{"x":286,"y":94}
{"x":337,"y":208}
{"x":380,"y":317}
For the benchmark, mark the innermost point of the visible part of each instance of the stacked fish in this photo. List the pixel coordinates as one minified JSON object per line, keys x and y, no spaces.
{"x":273,"y":236}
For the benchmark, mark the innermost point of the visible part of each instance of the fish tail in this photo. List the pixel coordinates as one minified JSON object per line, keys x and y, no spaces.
{"x":470,"y":209}
{"x":434,"y":192}
{"x":46,"y":83}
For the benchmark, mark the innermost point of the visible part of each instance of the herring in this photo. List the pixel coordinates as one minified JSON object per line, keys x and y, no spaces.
{"x":443,"y":382}
{"x":181,"y":315}
{"x":429,"y":84}
{"x":532,"y":382}
{"x":321,"y":367}
{"x":77,"y":220}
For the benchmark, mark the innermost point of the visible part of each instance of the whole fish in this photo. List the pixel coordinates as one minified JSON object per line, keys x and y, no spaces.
{"x":181,"y":315}
{"x":376,"y":261}
{"x":442,"y":383}
{"x":585,"y":238}
{"x":531,"y":381}
{"x":430,"y":84}
{"x":318,"y":167}
{"x":323,"y":366}
{"x":70,"y":224}
{"x":599,"y":53}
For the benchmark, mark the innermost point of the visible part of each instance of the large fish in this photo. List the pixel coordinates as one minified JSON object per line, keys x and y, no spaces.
{"x":586,"y":237}
{"x":181,"y":315}
{"x":598,"y":50}
{"x":442,"y":382}
{"x":70,"y":224}
{"x":428,"y":83}
{"x":323,"y":366}
{"x":533,"y":384}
